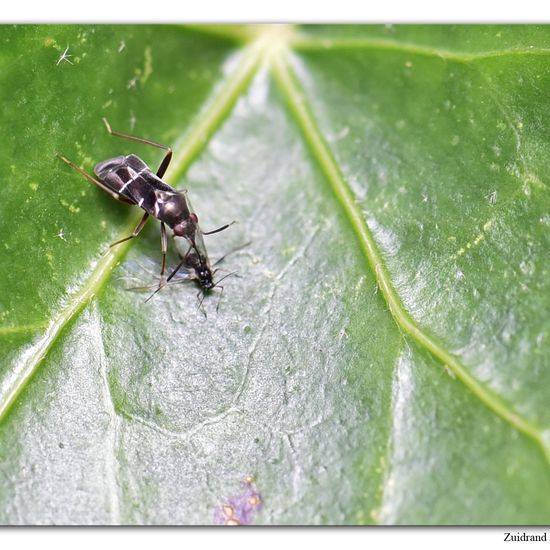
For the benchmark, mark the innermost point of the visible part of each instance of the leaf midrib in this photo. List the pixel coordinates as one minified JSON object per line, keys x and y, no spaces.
{"x":271,"y":45}
{"x":302,"y":112}
{"x":189,"y":148}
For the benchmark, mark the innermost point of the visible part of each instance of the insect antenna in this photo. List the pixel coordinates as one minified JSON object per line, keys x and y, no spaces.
{"x":225,"y":277}
{"x":219,"y":229}
{"x":232,"y":273}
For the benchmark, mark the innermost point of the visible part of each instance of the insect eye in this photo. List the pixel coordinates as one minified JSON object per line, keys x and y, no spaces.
{"x":194,"y":217}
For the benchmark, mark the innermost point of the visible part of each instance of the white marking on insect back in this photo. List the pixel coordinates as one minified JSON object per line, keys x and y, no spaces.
{"x":158,"y":204}
{"x":125,"y":185}
{"x":141,"y":201}
{"x":133,"y":178}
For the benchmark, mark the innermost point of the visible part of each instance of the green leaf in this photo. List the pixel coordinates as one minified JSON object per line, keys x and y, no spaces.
{"x":383,"y":356}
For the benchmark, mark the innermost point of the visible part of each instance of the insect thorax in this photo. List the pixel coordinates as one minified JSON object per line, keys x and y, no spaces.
{"x":172,"y":208}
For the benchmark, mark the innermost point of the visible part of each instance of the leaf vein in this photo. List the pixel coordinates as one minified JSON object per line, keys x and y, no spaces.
{"x":299,"y":106}
{"x":314,"y":44}
{"x":187,"y":150}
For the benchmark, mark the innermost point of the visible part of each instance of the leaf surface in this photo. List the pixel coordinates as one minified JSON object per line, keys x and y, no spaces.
{"x":382,"y":356}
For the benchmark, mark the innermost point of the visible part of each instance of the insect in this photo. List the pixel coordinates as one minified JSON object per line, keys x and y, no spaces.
{"x":128,"y":179}
{"x":184,"y":273}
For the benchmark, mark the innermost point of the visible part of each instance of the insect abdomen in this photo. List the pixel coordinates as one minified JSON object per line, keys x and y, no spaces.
{"x":130,"y":177}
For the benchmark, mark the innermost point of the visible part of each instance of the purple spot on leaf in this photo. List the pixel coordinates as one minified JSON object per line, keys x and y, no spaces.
{"x":240,"y":509}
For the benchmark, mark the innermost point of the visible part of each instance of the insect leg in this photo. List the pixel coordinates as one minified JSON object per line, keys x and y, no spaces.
{"x":201,"y":300}
{"x":138,"y":228}
{"x":178,"y":267}
{"x":164,"y":164}
{"x":219,"y":229}
{"x":160,"y":287}
{"x":219,"y":299}
{"x":101,"y":185}
{"x":164,"y":246}
{"x":165,"y":161}
{"x":163,"y":283}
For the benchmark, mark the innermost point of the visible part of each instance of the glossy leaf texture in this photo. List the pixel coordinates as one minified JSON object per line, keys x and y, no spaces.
{"x":381,"y":355}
